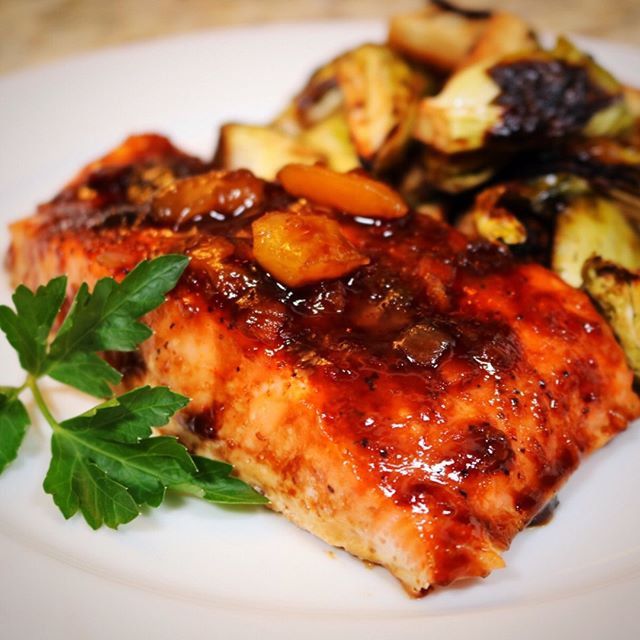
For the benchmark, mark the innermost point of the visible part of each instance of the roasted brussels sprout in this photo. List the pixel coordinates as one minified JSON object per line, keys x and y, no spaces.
{"x":612,"y":118}
{"x":504,"y":34}
{"x":523,"y":213}
{"x":381,"y":93}
{"x":616,"y":291}
{"x":463,"y":114}
{"x":459,"y":172}
{"x":611,"y":165}
{"x":331,"y":138}
{"x":447,"y":37}
{"x":371,"y":89}
{"x":524,"y":100}
{"x":319,"y":99}
{"x":588,"y":226}
{"x":491,"y":221}
{"x":262,"y":150}
{"x":436,"y":36}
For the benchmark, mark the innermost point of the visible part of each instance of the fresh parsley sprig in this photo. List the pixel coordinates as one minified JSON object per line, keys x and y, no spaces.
{"x":105,"y":463}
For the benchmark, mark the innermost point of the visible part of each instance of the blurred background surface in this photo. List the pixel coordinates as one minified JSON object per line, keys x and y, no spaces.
{"x":36,"y":31}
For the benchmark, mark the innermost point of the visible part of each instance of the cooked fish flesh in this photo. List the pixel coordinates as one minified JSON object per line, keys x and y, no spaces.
{"x":417,"y":408}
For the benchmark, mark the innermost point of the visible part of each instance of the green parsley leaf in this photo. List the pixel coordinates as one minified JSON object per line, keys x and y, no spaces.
{"x":86,"y":372}
{"x":105,"y":464}
{"x":76,"y":483}
{"x":14,"y":421}
{"x":107,"y":319}
{"x":214,"y":483}
{"x":129,"y":417}
{"x":27,"y":328}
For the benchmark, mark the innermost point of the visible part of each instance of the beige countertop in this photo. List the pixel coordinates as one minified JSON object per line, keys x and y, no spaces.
{"x":36,"y":31}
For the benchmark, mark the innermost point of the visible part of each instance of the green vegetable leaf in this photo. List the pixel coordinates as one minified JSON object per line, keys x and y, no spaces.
{"x":86,"y":372}
{"x":27,"y":328}
{"x":146,"y":468}
{"x":129,"y":417}
{"x":213,"y":482}
{"x":105,"y":464}
{"x":76,"y":483}
{"x":107,"y":319}
{"x":14,"y":421}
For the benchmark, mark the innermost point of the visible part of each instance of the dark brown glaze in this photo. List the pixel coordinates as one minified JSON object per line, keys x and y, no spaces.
{"x":130,"y":364}
{"x":204,"y":424}
{"x":545,"y":515}
{"x":459,"y":384}
{"x":544,"y":99}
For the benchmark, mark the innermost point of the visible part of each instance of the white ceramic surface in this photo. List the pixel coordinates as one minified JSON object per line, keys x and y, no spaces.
{"x":191,"y":570}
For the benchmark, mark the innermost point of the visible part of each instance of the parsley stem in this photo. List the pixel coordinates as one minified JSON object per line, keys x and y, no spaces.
{"x":13,"y":392}
{"x":41,"y":403}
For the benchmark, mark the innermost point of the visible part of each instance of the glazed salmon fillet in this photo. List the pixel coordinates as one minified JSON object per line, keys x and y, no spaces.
{"x":418,"y":411}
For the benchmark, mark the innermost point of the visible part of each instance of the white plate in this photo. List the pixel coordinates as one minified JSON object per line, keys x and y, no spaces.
{"x":200,"y":571}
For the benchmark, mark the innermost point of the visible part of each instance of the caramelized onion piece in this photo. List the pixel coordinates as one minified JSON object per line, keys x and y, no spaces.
{"x":351,"y":193}
{"x":300,"y":248}
{"x":225,"y":193}
{"x":424,"y":344}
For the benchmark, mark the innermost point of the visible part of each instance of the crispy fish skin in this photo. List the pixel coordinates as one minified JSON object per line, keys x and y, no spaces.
{"x":418,"y":412}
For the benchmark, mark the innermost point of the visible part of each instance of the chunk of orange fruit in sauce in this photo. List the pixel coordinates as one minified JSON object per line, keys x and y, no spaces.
{"x":303,"y":248}
{"x":351,"y":193}
{"x":225,"y":193}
